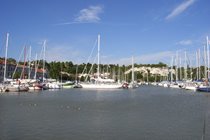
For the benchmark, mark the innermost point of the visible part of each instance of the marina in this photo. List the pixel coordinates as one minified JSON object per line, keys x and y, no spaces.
{"x":104,"y":70}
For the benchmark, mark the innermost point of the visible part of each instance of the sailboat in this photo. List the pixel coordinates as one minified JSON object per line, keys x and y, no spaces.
{"x":99,"y":82}
{"x":205,"y":86}
{"x":11,"y":85}
{"x":4,"y":86}
{"x":132,"y":84}
{"x":174,"y":84}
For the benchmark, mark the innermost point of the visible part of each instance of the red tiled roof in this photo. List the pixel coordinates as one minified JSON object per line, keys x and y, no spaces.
{"x":3,"y":62}
{"x":21,"y":66}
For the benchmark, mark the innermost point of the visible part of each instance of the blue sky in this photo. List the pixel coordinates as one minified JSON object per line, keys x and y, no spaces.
{"x":150,"y":30}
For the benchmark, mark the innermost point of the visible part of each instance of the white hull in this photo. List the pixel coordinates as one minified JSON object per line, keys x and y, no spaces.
{"x":17,"y":89}
{"x":53,"y":85}
{"x":133,"y":85}
{"x":101,"y":86}
{"x":34,"y":88}
{"x":69,"y":86}
{"x":174,"y":86}
{"x":165,"y":85}
{"x":191,"y":88}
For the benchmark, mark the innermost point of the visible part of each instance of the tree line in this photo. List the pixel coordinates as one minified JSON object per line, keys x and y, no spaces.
{"x":69,"y":71}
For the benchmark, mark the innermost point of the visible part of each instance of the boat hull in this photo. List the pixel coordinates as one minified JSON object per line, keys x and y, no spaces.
{"x":204,"y":89}
{"x":191,"y":88}
{"x":101,"y":86}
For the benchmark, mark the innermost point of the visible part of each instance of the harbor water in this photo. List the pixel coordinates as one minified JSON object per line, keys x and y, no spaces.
{"x":144,"y":113}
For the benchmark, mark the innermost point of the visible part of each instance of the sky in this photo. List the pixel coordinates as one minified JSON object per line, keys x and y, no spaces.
{"x":150,"y":30}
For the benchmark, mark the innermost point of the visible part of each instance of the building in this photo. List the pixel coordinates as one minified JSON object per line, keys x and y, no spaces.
{"x":13,"y":69}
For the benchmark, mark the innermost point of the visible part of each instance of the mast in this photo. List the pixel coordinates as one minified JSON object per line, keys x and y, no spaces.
{"x":98,"y":71}
{"x":196,"y":54}
{"x":207,"y":47}
{"x":29,"y":63}
{"x":204,"y":51}
{"x":5,"y":61}
{"x":35,"y":67}
{"x":172,"y":59}
{"x":132,"y":70}
{"x":199,"y":70}
{"x":180,"y":69}
{"x":191,"y":72}
{"x":44,"y":47}
{"x":76,"y":75}
{"x":185,"y":69}
{"x":23,"y":71}
{"x":176,"y":68}
{"x":61,"y":73}
{"x":119,"y":75}
{"x":125,"y":75}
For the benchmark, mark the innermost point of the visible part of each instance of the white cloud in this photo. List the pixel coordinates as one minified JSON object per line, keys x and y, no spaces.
{"x":87,"y":15}
{"x":180,"y":9}
{"x":90,"y":14}
{"x":65,"y":23}
{"x":185,"y":42}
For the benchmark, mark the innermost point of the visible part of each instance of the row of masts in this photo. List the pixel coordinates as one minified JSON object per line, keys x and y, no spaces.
{"x":29,"y":61}
{"x":177,"y":63}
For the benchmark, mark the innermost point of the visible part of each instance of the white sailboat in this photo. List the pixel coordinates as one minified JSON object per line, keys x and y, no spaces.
{"x":132,"y":84}
{"x":205,"y":86}
{"x":47,"y":84}
{"x":174,"y":84}
{"x":11,"y":85}
{"x":98,"y":82}
{"x":3,"y":86}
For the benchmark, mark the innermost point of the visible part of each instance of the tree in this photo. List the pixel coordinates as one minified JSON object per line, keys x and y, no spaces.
{"x":17,"y":75}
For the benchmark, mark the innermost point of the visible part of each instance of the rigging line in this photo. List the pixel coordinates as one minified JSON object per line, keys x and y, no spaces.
{"x":89,"y":56}
{"x":18,"y":62}
{"x":91,"y":67}
{"x":31,"y":67}
{"x":26,"y":57}
{"x":40,"y":55}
